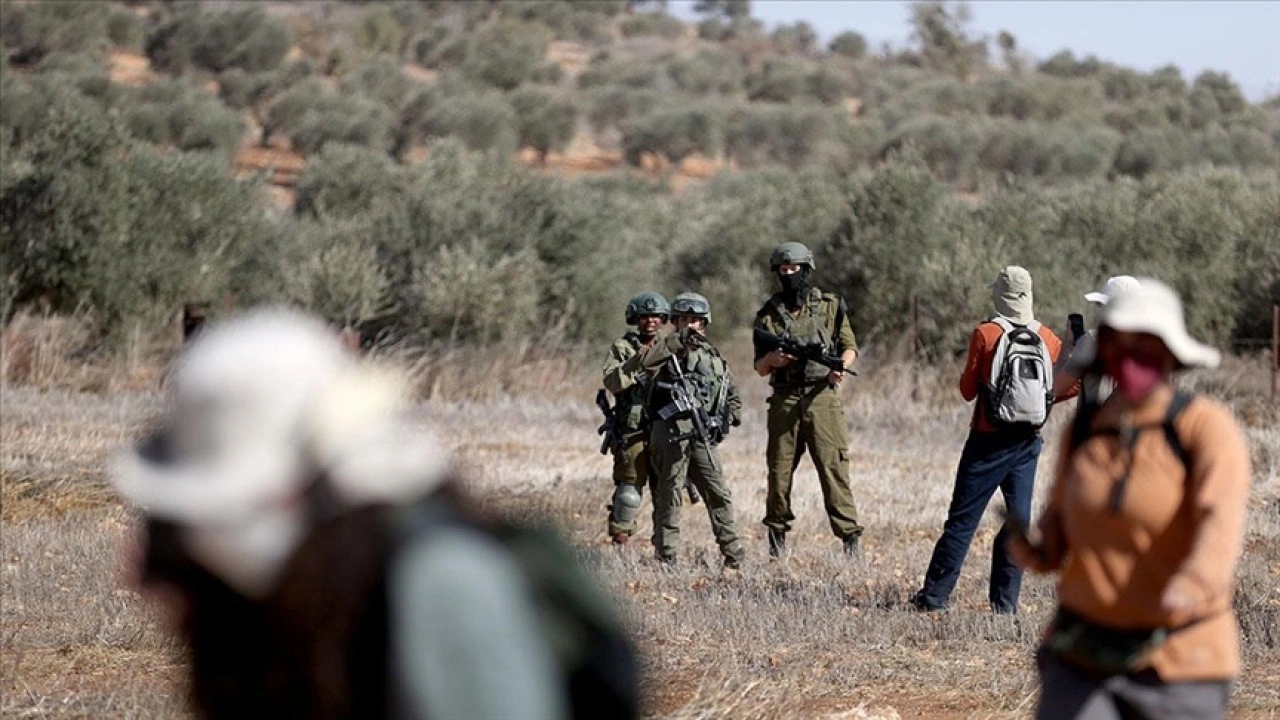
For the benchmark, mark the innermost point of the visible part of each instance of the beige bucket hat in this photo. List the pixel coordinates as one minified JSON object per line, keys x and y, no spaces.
{"x":1011,"y":295}
{"x":1152,"y":307}
{"x":1114,"y":286}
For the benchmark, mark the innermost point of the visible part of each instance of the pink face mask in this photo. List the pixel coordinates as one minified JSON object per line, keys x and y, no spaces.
{"x":1136,"y":377}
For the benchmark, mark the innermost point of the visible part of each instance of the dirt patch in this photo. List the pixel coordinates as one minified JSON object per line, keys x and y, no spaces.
{"x":414,"y":71}
{"x":284,"y":165}
{"x":132,"y":69}
{"x":572,"y":57}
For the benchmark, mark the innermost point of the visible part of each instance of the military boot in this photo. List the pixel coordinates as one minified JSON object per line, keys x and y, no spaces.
{"x":777,"y":543}
{"x":851,"y":547}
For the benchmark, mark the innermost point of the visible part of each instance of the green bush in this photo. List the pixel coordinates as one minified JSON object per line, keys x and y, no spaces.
{"x":173,"y":112}
{"x":379,"y":79}
{"x":612,"y":106}
{"x":778,"y":80}
{"x":1051,"y":152}
{"x":546,"y":120}
{"x":506,"y":53}
{"x":30,"y":31}
{"x":790,"y":135}
{"x":313,"y":115}
{"x":242,"y":37}
{"x":710,"y":72}
{"x":797,"y":38}
{"x":848,"y":44}
{"x":125,"y":30}
{"x":627,"y":73}
{"x":341,"y":181}
{"x":332,"y":269}
{"x":481,"y":121}
{"x":122,"y":229}
{"x":379,"y":31}
{"x":657,"y":24}
{"x":674,"y":133}
{"x":949,"y":146}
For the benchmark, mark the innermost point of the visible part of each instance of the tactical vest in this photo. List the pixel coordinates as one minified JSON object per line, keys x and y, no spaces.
{"x":629,"y":406}
{"x":706,"y":372}
{"x":814,"y":323}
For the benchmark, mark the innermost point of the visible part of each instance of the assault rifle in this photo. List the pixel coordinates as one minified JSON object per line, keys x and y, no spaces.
{"x":810,"y":351}
{"x":612,"y":434}
{"x":683,"y":400}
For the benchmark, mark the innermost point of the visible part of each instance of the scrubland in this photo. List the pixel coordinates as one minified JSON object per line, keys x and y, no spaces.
{"x":816,"y":635}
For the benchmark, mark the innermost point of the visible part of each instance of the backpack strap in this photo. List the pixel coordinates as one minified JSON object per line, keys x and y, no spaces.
{"x":1181,"y":399}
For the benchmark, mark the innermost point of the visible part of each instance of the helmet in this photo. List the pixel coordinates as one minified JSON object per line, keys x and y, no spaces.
{"x":790,"y":252}
{"x":691,"y":303}
{"x":647,"y":303}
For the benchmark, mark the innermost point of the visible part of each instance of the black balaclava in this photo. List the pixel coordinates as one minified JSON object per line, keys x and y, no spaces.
{"x":795,"y":287}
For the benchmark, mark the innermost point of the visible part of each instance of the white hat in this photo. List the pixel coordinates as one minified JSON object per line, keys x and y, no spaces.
{"x":1114,"y":286}
{"x":1011,"y":294}
{"x":261,"y":405}
{"x":1152,"y":307}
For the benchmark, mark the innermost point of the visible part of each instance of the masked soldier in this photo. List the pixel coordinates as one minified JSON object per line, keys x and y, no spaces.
{"x":692,"y":404}
{"x":647,"y":311}
{"x":804,"y":410}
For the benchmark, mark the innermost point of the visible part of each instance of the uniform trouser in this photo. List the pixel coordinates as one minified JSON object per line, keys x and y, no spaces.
{"x":988,"y":461}
{"x":676,"y":455}
{"x":630,"y":467}
{"x":811,"y":418}
{"x":1070,"y":693}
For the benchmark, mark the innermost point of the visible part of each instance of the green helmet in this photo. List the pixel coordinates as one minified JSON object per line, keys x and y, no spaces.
{"x":691,"y":303}
{"x":647,"y":303}
{"x":790,"y":252}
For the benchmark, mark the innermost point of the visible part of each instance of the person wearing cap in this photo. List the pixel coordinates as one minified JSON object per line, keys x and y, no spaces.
{"x":286,"y":501}
{"x":805,"y":411}
{"x":993,"y":457}
{"x":1144,"y":526}
{"x":692,"y":392}
{"x":1093,"y":387}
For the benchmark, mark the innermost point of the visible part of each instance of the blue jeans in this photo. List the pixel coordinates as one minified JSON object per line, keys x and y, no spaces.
{"x":989,"y":461}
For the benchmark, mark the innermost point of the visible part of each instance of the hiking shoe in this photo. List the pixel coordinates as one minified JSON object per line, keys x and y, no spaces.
{"x":777,"y":543}
{"x":919,"y":604}
{"x":851,"y":547}
{"x":621,"y":539}
{"x":732,"y":562}
{"x":667,"y":561}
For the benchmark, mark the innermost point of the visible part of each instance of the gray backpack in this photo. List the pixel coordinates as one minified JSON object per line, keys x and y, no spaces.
{"x":1020,"y":388}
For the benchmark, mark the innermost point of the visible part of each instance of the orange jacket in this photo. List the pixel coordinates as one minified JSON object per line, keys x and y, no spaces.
{"x":1171,"y":528}
{"x":977,"y":369}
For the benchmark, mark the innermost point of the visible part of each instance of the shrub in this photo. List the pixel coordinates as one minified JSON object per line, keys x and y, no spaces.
{"x":828,"y":84}
{"x":546,"y":120}
{"x":778,"y":80}
{"x":341,"y":181}
{"x":799,"y":37}
{"x":481,"y":121}
{"x":711,"y":72}
{"x":173,"y":112}
{"x":379,"y":79}
{"x":1051,"y":152}
{"x":1043,"y":98}
{"x":849,"y":44}
{"x":784,"y":134}
{"x":243,"y":36}
{"x":672,"y":133}
{"x":614,"y":105}
{"x":948,"y":146}
{"x":505,"y":54}
{"x":332,"y":269}
{"x":125,"y":30}
{"x":632,"y":74}
{"x":314,"y":115}
{"x":30,"y":31}
{"x":379,"y":31}
{"x":657,"y":24}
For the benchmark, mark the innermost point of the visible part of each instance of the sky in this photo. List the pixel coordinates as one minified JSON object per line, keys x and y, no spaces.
{"x":1237,"y":37}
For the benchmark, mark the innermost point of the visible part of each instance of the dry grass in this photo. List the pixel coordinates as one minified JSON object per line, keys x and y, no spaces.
{"x":815,"y":636}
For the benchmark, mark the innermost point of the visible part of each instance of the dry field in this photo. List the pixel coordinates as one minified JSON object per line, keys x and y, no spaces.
{"x":814,"y":636}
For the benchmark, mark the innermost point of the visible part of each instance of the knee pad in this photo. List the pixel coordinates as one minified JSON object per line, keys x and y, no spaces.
{"x":626,"y":503}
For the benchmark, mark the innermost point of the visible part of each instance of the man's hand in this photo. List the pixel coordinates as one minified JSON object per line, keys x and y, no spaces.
{"x":1180,"y":598}
{"x":835,"y":377}
{"x":778,"y":359}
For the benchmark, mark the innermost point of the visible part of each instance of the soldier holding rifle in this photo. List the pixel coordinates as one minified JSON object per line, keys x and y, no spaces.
{"x":692,"y":404}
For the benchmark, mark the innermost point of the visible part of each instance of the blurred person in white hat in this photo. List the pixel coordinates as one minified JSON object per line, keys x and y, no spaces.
{"x":1144,"y":526}
{"x":316,"y":548}
{"x":1081,"y":345}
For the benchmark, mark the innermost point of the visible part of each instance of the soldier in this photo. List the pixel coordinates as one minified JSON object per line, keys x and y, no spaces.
{"x":804,"y":410}
{"x":648,"y":312}
{"x":692,"y":403}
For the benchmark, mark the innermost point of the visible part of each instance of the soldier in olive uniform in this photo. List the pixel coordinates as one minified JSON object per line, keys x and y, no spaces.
{"x":804,"y":410}
{"x":647,"y":311}
{"x":684,"y":359}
